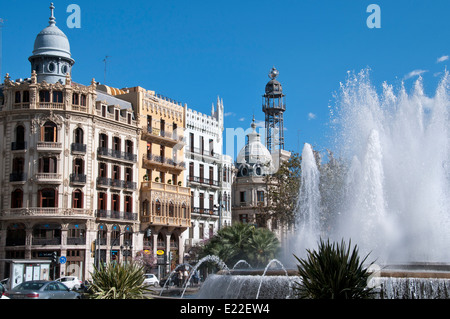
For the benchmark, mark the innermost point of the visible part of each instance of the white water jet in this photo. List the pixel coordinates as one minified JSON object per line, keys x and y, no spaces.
{"x":394,"y":201}
{"x":307,"y":220}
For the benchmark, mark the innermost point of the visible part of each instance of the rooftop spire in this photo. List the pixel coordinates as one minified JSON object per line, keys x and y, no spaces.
{"x":52,"y":17}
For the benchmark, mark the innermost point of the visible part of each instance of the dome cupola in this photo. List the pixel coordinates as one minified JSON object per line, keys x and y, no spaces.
{"x":51,"y":57}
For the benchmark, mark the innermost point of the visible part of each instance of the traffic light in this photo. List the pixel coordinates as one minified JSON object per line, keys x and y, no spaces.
{"x":54,"y":257}
{"x":148,"y":232}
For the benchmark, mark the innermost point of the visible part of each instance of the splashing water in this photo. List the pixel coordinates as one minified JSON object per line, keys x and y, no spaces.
{"x":394,"y":201}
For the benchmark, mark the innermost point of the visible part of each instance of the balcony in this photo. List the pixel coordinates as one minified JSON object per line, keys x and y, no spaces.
{"x":166,"y":138}
{"x":205,"y":211}
{"x":78,"y":178}
{"x":148,"y":186}
{"x":203,"y":181}
{"x":154,"y":161}
{"x":196,"y":152}
{"x":112,"y":214}
{"x":48,"y":177}
{"x":78,"y":148}
{"x":45,"y":212}
{"x":49,"y":146}
{"x":116,"y":155}
{"x":18,"y":146}
{"x":18,"y":177}
{"x":76,"y":241}
{"x":116,"y":183}
{"x":46,"y":241}
{"x":50,"y":105}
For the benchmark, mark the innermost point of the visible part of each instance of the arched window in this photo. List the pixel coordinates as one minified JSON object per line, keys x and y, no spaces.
{"x":17,"y":198}
{"x":158,"y":208}
{"x":128,"y":236}
{"x":102,"y":233}
{"x":115,"y":236}
{"x":77,"y":199}
{"x":171,"y":210}
{"x":161,"y":241}
{"x":184,"y":210}
{"x":78,"y":166}
{"x":20,"y":134}
{"x":49,"y":132}
{"x":173,"y":241}
{"x":78,"y":135}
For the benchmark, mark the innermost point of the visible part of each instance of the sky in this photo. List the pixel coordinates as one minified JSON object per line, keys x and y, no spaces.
{"x":194,"y":51}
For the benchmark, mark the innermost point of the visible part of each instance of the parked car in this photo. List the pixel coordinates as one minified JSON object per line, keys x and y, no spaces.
{"x":71,"y":282}
{"x":151,"y":280}
{"x":3,"y":292}
{"x":42,"y":289}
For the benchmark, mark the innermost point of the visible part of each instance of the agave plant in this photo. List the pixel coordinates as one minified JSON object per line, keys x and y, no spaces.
{"x":334,"y":271}
{"x":118,"y":281}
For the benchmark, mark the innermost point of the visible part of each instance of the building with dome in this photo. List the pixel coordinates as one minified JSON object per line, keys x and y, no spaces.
{"x":256,"y":160}
{"x":69,"y":170}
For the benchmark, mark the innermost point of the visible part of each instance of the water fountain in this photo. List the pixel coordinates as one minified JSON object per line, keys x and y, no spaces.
{"x":389,"y":194}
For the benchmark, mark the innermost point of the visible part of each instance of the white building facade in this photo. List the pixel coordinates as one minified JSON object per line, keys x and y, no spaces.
{"x":208,"y":174}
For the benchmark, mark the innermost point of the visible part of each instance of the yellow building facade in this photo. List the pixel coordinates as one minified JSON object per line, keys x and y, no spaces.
{"x":165,"y":202}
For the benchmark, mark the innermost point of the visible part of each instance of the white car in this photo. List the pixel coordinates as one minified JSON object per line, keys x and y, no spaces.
{"x":151,"y":280}
{"x":71,"y":282}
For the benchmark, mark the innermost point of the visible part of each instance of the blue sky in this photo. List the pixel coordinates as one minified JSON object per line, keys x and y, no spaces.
{"x":193,"y":51}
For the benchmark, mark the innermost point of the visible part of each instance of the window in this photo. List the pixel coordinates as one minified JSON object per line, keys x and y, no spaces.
{"x":192,"y":200}
{"x":243,"y":218}
{"x":44,"y":96}
{"x":201,"y":173}
{"x":57,"y":97}
{"x":129,"y":146}
{"x":47,"y":165}
{"x":211,"y":175}
{"x":115,"y":202}
{"x":211,"y":202}
{"x":260,"y":196}
{"x":102,"y":197}
{"x":201,"y":231}
{"x":146,"y":208}
{"x":20,"y":134}
{"x":116,"y":172}
{"x":128,"y":204}
{"x":202,"y":144}
{"x":26,"y":97}
{"x":78,"y":166}
{"x":158,"y":208}
{"x":211,"y":147}
{"x":18,"y":165}
{"x":17,"y":198}
{"x":242,"y":197}
{"x":202,"y":202}
{"x":103,"y":140}
{"x":191,"y":171}
{"x":102,"y":170}
{"x":78,"y":136}
{"x":128,"y":174}
{"x":17,"y":98}
{"x":77,"y":199}
{"x":191,"y":142}
{"x":116,"y":143}
{"x":163,"y":127}
{"x":83,"y":100}
{"x":49,"y":132}
{"x":116,"y":115}
{"x":47,"y":198}
{"x":149,"y":123}
{"x":75,"y":99}
{"x":171,"y":210}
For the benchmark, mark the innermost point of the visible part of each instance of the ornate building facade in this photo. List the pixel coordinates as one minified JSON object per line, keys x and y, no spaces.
{"x":208,"y":174}
{"x":165,"y":203}
{"x":69,"y":169}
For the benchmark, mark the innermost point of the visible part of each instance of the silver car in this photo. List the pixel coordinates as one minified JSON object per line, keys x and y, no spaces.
{"x":42,"y":289}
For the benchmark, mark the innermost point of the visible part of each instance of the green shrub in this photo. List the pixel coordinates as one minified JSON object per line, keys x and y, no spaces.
{"x":334,"y":271}
{"x":118,"y":281}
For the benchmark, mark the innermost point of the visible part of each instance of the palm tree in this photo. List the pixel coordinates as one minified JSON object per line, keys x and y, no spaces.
{"x":263,"y":245}
{"x":243,"y":241}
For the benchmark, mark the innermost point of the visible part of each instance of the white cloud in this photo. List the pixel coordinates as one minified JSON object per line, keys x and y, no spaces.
{"x":311,"y":116}
{"x":442,"y":58}
{"x":242,"y":119}
{"x":414,"y":73}
{"x":260,"y":123}
{"x":229,"y":114}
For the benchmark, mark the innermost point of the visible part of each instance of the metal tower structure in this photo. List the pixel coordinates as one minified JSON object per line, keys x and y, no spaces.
{"x":274,"y":107}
